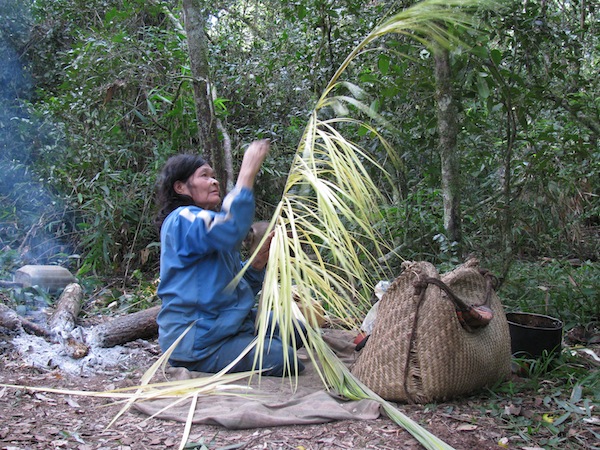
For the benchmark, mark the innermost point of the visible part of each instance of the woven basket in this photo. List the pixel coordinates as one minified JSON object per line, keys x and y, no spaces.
{"x":419,"y":352}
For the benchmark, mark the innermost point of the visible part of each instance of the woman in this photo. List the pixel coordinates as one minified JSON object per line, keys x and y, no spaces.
{"x":200,"y":257}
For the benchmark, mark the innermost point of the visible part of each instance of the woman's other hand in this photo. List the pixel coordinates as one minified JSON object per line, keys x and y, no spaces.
{"x":262,"y":257}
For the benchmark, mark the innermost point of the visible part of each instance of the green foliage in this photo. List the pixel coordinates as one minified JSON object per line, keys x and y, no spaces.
{"x":562,"y":289}
{"x":563,"y":387}
{"x":523,"y":148}
{"x":10,"y":261}
{"x":118,"y":299}
{"x":30,"y":300}
{"x":110,"y":115}
{"x":105,"y":96}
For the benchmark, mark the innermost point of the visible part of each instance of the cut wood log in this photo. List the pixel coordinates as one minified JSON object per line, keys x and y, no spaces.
{"x":64,"y":317}
{"x":120,"y":330}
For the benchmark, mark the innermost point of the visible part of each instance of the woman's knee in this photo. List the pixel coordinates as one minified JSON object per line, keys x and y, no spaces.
{"x":278,"y":364}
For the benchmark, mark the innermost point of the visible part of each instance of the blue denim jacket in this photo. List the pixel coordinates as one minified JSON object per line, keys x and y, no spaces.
{"x":200,"y":256}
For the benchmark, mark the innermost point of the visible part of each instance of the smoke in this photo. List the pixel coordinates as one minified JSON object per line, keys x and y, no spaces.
{"x":27,"y":206}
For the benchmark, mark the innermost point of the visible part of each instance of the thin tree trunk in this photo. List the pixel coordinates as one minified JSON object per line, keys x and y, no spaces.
{"x":195,"y":16}
{"x":227,"y":159}
{"x":447,"y":131}
{"x":507,"y":223}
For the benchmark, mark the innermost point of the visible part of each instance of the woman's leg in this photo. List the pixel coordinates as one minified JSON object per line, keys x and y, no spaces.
{"x":230,"y":349}
{"x":299,"y":330}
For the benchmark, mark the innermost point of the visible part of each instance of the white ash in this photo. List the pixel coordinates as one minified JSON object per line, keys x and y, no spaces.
{"x":41,"y":354}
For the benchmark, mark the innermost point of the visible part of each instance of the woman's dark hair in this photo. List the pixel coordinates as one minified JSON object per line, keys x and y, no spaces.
{"x":177,"y":168}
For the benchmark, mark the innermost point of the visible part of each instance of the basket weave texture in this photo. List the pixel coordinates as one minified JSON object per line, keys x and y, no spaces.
{"x":419,"y":352}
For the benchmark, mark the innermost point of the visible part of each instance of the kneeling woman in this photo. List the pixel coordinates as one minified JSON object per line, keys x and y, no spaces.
{"x":199,"y":258}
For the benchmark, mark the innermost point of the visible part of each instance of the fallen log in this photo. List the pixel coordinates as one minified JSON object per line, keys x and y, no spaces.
{"x":10,"y":284}
{"x":117,"y":331}
{"x":120,"y":330}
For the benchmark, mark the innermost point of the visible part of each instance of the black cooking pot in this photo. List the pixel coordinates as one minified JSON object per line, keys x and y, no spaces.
{"x":532,"y":334}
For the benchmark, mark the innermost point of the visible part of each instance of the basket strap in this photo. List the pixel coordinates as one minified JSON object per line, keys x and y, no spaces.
{"x":471,"y":317}
{"x":412,"y":339}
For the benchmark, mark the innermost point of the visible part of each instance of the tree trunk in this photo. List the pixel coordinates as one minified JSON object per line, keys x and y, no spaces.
{"x":447,"y":131}
{"x":195,"y":16}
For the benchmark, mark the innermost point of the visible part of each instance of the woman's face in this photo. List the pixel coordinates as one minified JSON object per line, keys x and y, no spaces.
{"x":202,"y":187}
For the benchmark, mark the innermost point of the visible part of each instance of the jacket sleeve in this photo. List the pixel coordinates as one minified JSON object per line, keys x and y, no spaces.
{"x":255,"y":279}
{"x":203,"y":231}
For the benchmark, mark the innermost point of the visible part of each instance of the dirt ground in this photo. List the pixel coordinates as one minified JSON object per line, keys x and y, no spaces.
{"x":43,"y":420}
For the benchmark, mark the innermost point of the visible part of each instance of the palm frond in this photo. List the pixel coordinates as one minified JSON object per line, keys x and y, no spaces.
{"x":421,"y":22}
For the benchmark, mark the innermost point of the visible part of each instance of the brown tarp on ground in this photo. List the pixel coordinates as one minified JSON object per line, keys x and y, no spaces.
{"x":274,"y":402}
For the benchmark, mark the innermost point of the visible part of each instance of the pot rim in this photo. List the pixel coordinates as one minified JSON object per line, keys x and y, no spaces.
{"x":558,"y":324}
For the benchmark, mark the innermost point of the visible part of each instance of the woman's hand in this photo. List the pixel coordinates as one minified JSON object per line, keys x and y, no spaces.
{"x":253,"y":159}
{"x":262,"y":257}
